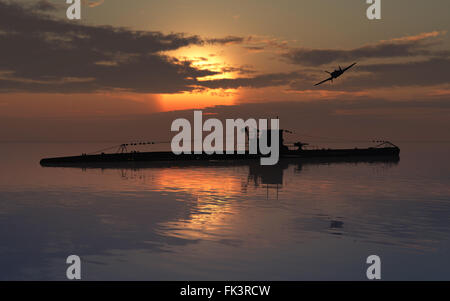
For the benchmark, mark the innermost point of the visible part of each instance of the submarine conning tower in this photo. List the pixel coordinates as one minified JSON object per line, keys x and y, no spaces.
{"x":268,"y":132}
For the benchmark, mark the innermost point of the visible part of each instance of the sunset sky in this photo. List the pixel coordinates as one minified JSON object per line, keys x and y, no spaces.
{"x":130,"y":61}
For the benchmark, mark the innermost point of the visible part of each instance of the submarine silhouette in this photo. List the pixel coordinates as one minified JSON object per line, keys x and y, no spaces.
{"x":384,"y":149}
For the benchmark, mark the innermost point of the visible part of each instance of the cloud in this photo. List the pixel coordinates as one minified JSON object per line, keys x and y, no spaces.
{"x":40,"y":53}
{"x":43,"y":54}
{"x":254,"y":49}
{"x":246,"y":69}
{"x":45,"y":5}
{"x":264,"y":42}
{"x":95,"y":3}
{"x":428,"y":72}
{"x":226,"y":41}
{"x":69,"y":57}
{"x":258,"y":81}
{"x":394,"y":48}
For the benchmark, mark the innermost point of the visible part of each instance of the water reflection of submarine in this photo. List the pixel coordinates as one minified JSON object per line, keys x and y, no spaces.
{"x":267,"y":174}
{"x":273,"y":174}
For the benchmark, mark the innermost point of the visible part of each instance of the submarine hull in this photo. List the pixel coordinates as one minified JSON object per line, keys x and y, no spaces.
{"x":318,"y":154}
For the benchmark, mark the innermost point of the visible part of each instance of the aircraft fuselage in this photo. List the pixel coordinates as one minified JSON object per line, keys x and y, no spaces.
{"x":336,"y":73}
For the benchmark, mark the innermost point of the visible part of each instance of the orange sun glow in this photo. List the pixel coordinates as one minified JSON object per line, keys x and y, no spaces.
{"x":204,"y":59}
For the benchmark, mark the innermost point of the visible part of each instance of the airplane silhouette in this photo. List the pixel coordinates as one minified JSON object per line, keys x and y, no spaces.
{"x":335,"y":74}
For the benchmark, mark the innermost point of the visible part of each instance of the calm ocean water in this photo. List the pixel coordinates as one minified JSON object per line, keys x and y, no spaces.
{"x":292,"y":222}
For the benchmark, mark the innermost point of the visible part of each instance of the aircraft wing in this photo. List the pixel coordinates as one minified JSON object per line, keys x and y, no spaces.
{"x":330,"y":78}
{"x":345,"y":69}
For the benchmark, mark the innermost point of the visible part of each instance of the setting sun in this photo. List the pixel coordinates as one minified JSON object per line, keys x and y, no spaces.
{"x":206,"y":58}
{"x":202,"y":58}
